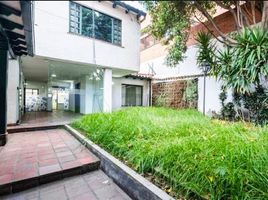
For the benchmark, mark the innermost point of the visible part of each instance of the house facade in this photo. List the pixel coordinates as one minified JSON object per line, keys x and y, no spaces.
{"x":82,"y":52}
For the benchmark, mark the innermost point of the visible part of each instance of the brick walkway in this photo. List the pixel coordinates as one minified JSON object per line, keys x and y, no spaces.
{"x":40,"y":156}
{"x":91,"y":186}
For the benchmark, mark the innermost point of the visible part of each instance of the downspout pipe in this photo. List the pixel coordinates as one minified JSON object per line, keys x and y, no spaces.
{"x":150,"y":92}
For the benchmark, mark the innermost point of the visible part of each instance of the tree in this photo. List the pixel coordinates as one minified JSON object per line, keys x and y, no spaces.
{"x":172,"y":20}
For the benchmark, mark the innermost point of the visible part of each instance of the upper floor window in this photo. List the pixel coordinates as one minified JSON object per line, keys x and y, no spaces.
{"x":92,"y":23}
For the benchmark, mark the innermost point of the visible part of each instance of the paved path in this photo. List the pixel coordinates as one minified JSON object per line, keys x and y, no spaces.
{"x":91,"y":186}
{"x":36,"y":153}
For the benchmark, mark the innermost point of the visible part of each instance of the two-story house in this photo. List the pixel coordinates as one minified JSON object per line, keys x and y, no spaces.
{"x":82,"y":52}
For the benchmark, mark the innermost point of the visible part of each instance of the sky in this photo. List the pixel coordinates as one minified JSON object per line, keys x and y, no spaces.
{"x":135,"y":4}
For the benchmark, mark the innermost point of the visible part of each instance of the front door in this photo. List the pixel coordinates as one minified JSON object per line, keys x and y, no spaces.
{"x":77,"y":98}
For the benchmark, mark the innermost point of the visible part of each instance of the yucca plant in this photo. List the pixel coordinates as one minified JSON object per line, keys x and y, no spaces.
{"x":206,"y":49}
{"x":242,"y":66}
{"x":249,"y":59}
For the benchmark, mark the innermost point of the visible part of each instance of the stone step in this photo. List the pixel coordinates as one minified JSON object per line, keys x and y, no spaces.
{"x":33,"y":158}
{"x":32,"y":127}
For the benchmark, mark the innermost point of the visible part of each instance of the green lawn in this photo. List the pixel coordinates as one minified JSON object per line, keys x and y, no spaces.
{"x":194,"y":154}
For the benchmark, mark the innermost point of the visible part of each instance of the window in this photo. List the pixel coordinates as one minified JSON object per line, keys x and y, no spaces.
{"x":92,"y":23}
{"x":131,"y":95}
{"x":32,"y":91}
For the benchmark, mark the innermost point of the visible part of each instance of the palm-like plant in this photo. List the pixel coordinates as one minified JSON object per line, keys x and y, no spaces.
{"x":241,"y":66}
{"x":206,"y":50}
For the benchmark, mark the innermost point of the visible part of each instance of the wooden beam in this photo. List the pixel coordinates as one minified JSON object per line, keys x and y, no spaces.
{"x":6,"y":10}
{"x":7,"y":24}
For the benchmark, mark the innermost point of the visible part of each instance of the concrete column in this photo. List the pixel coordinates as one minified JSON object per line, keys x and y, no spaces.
{"x":3,"y":88}
{"x":12,"y":91}
{"x":107,"y":90}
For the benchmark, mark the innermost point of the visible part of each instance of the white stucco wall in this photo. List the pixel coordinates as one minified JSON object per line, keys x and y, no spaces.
{"x":12,"y":91}
{"x":53,"y":40}
{"x":41,"y":86}
{"x":189,"y":67}
{"x":117,"y":90}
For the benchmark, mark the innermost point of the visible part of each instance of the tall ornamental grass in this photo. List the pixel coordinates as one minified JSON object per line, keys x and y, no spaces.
{"x":196,"y":156}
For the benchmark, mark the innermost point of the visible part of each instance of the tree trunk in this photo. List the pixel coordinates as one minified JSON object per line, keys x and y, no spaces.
{"x":265,"y":15}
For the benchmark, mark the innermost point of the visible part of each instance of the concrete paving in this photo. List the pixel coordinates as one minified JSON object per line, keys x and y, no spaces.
{"x":44,"y":119}
{"x":90,"y":186}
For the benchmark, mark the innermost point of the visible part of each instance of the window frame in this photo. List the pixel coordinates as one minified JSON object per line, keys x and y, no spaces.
{"x":32,"y":89}
{"x":140,"y":86}
{"x":93,"y":37}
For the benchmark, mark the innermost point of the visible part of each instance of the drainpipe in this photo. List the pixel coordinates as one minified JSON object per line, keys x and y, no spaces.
{"x":150,"y":92}
{"x":3,"y":88}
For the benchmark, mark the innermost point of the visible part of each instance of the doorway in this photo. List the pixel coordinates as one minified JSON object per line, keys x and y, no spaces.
{"x":60,"y":98}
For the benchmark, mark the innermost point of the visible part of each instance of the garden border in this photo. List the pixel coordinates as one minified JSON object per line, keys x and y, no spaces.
{"x":136,"y":186}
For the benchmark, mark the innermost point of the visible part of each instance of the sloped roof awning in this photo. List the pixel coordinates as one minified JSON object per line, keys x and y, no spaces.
{"x":16,"y":26}
{"x":140,"y":76}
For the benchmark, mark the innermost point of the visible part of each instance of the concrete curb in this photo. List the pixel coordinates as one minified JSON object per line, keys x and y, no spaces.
{"x":136,"y":186}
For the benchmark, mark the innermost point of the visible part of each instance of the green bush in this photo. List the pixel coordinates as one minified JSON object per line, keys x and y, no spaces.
{"x":211,"y":159}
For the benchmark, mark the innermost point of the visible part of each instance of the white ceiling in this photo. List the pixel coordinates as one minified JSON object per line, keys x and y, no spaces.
{"x":40,"y":69}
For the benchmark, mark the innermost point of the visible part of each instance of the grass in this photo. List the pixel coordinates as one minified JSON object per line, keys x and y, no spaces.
{"x":196,"y":156}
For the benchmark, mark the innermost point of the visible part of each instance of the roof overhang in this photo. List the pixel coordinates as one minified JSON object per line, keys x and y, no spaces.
{"x":129,"y":9}
{"x":16,"y":26}
{"x":140,"y":76}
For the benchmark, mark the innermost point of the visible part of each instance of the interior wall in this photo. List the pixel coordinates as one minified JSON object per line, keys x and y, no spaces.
{"x":41,"y":86}
{"x":71,"y":100}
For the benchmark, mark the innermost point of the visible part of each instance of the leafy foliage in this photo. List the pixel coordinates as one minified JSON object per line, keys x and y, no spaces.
{"x":227,"y":109}
{"x":249,"y":61}
{"x":171,"y":21}
{"x":192,"y":153}
{"x":241,"y":66}
{"x":257,"y":104}
{"x":190,"y":95}
{"x":206,"y":49}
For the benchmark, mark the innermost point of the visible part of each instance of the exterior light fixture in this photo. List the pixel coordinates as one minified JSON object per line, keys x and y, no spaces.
{"x":205,"y":67}
{"x":53,"y":75}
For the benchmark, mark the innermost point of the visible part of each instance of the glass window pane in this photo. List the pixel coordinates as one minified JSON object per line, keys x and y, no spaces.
{"x":117,"y":32}
{"x":131,"y":95}
{"x":103,"y":27}
{"x":74,"y":18}
{"x":87,"y":22}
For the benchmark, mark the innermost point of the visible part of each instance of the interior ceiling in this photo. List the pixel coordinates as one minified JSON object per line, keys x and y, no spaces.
{"x":41,"y":69}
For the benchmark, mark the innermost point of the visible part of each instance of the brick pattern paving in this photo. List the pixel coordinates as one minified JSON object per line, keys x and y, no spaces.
{"x":90,"y":186}
{"x":38,"y":153}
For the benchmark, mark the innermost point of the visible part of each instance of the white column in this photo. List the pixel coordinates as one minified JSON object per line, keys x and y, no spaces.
{"x":12,"y":91}
{"x":107,"y":90}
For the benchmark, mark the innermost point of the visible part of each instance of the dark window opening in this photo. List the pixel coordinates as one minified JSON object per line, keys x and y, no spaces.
{"x":132,"y":95}
{"x":94,"y":24}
